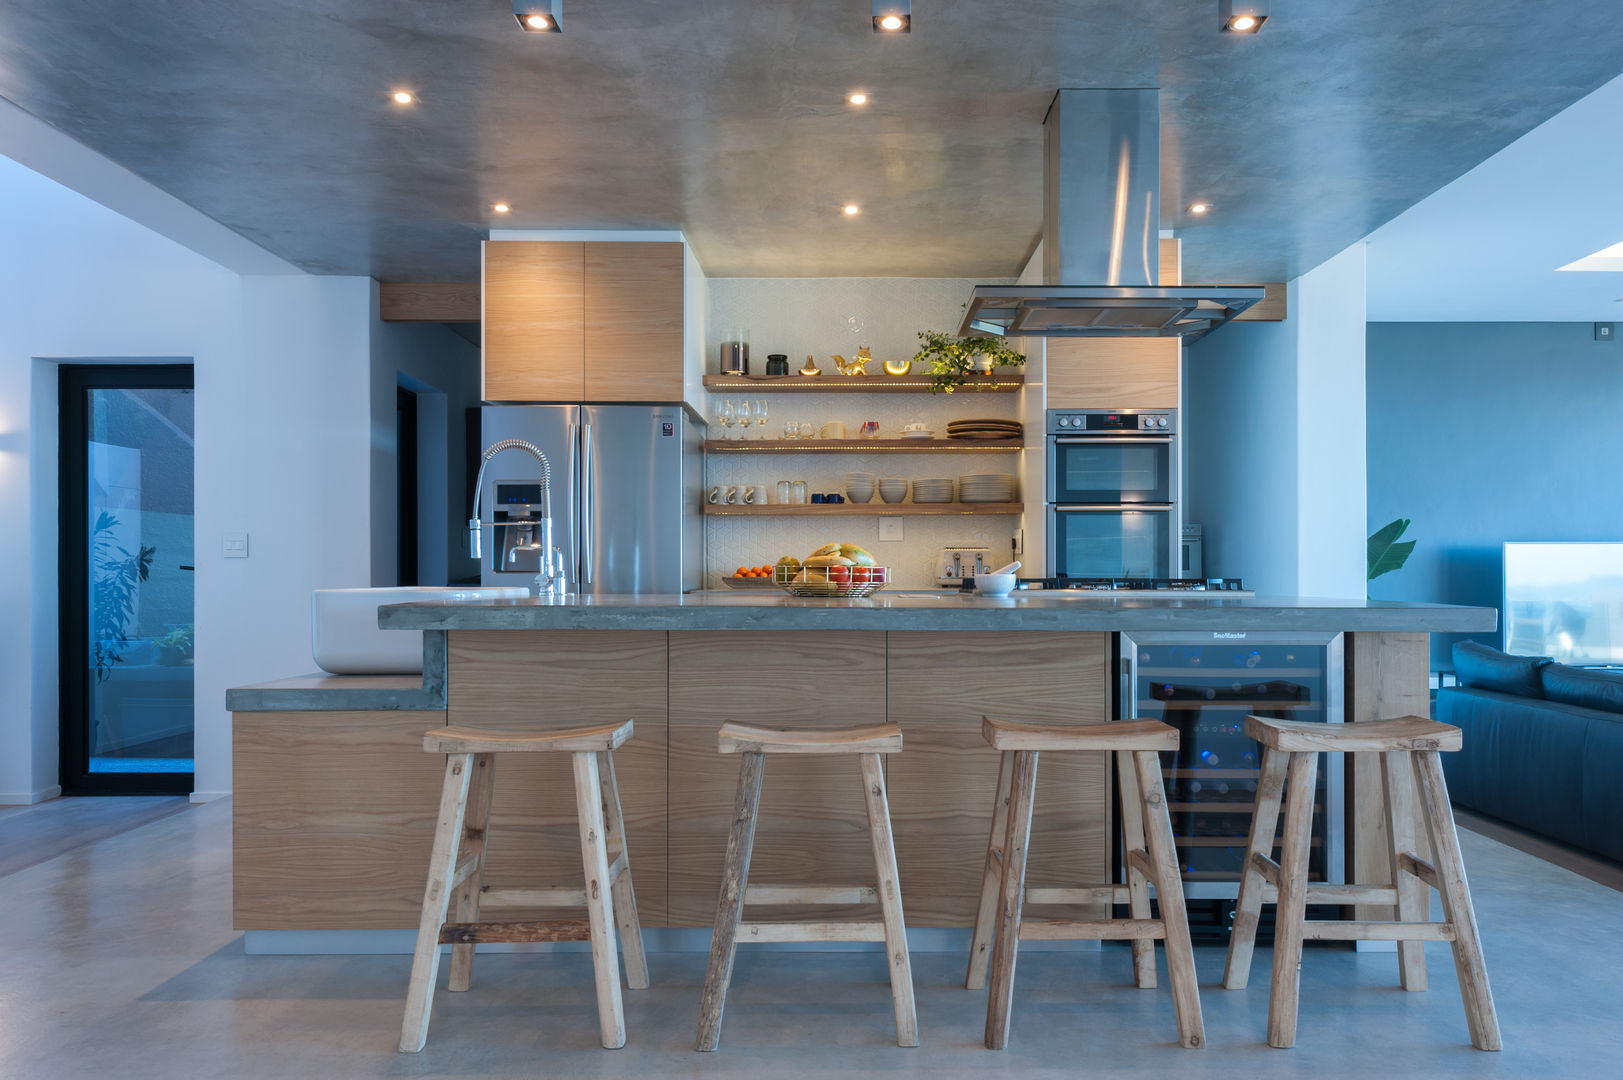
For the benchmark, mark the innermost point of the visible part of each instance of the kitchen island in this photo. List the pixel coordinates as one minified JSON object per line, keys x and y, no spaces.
{"x":335,"y":798}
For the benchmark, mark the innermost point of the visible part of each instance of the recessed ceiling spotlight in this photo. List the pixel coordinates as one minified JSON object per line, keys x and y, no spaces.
{"x":1241,"y":16}
{"x":852,"y":209}
{"x":893,"y":16}
{"x":1199,"y":208}
{"x":403,"y":97}
{"x":539,"y":16}
{"x":501,"y":208}
{"x":858,"y":98}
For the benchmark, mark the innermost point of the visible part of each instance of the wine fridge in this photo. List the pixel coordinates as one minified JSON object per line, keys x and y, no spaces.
{"x":1205,"y":684}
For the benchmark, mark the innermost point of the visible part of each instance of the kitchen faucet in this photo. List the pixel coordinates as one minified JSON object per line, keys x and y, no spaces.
{"x":550,"y":578}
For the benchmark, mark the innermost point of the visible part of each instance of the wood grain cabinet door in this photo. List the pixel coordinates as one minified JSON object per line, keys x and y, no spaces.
{"x":1113,"y":373}
{"x":534,"y":312}
{"x":633,"y":328}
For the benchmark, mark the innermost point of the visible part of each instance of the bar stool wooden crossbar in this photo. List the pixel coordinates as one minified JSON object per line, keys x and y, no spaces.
{"x":1150,"y":858}
{"x":1408,"y":747}
{"x":456,"y":872}
{"x":753,"y":744}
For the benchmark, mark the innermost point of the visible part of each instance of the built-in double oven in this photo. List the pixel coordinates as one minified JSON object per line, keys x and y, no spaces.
{"x":1112,"y":493}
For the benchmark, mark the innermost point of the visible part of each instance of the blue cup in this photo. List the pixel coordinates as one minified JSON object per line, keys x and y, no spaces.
{"x":819,"y":497}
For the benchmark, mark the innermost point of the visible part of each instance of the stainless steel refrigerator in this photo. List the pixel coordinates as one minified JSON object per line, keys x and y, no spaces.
{"x":626,"y":495}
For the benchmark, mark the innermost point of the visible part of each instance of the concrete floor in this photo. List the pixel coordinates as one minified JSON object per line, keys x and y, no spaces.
{"x":120,"y":961}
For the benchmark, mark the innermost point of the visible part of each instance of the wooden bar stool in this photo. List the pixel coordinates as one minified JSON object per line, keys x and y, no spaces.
{"x":1150,"y":857}
{"x":754,"y":744}
{"x":1290,"y":761}
{"x":463,"y":820}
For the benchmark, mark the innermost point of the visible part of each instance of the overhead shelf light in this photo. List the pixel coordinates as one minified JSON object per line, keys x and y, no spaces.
{"x":539,"y":16}
{"x":893,"y":16}
{"x":1242,"y":16}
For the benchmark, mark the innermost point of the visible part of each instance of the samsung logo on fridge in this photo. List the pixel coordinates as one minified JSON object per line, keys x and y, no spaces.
{"x":1222,"y":636}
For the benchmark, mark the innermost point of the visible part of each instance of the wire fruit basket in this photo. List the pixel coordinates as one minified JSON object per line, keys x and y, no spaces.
{"x":846,"y":581}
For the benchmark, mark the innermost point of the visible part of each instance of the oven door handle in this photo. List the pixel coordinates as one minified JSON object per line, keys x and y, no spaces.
{"x":1108,"y":508}
{"x":1109,"y":440}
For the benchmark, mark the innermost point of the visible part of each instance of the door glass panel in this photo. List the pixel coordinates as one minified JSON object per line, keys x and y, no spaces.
{"x":1103,"y":472}
{"x":138,"y":486}
{"x":1107,"y":544}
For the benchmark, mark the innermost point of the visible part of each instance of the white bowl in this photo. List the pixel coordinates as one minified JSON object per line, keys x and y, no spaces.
{"x":858,"y":493}
{"x":994,"y":584}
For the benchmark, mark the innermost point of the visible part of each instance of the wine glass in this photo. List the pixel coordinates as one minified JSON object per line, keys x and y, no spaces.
{"x":760,"y":415}
{"x":744,"y":419}
{"x":725,"y":415}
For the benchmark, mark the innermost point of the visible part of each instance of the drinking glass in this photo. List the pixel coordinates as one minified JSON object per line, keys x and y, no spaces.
{"x":743,"y":419}
{"x":760,"y":415}
{"x":724,"y":414}
{"x":783,"y":491}
{"x":791,"y":430}
{"x":807,"y":431}
{"x":798,"y":491}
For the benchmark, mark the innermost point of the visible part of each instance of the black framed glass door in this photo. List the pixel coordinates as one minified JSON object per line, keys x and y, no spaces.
{"x":126,"y":577}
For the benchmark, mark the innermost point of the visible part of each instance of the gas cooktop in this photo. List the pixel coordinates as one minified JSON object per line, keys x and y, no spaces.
{"x":1134,"y":584}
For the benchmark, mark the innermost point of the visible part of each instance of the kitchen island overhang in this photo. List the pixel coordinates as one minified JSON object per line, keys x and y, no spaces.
{"x":335,"y":796}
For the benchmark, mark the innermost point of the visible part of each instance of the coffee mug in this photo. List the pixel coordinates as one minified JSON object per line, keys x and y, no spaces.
{"x":833,"y":429}
{"x":752,"y":495}
{"x":819,"y":497}
{"x":732,"y":495}
{"x":717,"y":494}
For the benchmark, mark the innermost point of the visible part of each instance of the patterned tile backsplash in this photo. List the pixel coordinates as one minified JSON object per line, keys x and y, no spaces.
{"x":823,"y":316}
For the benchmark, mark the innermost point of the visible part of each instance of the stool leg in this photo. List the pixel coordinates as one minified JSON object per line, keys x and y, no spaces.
{"x":594,"y":855}
{"x":1456,"y":895}
{"x":625,"y":896}
{"x":980,"y":945}
{"x":890,"y":901}
{"x":1169,"y":890}
{"x":465,"y":903}
{"x":1138,"y":889}
{"x":1292,"y":907}
{"x":1414,"y":898}
{"x":1011,"y":894}
{"x":734,"y":877}
{"x":1264,"y":823}
{"x":425,"y":959}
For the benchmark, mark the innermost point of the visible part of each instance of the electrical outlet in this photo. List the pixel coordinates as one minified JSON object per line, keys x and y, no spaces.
{"x":1019,"y":542}
{"x":234,"y":545}
{"x":1605,"y":331}
{"x":890,"y":528}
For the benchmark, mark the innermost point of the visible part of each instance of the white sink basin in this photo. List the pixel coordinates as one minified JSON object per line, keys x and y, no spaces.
{"x":345,"y":637}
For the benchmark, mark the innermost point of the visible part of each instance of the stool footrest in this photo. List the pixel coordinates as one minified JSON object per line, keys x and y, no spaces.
{"x":1326,"y":893}
{"x":1086,"y":894}
{"x":772,"y":932}
{"x":1091,"y":929}
{"x":1377,"y":931}
{"x":558,"y":896}
{"x":480,"y":933}
{"x":1420,"y":868}
{"x":811,"y":894}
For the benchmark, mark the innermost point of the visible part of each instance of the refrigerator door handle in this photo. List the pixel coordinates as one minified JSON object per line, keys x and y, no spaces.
{"x":570,"y":488}
{"x":586,"y":496}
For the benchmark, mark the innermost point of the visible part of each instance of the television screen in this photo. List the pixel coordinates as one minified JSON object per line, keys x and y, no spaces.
{"x":1565,"y":600}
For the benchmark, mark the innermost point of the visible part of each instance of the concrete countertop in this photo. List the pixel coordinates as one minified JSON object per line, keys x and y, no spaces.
{"x":886,"y":610}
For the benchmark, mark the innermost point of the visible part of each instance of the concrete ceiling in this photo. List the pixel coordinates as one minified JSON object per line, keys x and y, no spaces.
{"x":726,"y":119}
{"x":1486,"y":247}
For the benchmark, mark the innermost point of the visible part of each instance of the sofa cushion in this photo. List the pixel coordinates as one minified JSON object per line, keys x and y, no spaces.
{"x":1589,"y":687}
{"x":1483,"y":668}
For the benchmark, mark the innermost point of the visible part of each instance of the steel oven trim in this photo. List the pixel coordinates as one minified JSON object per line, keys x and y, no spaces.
{"x":1338,"y":814}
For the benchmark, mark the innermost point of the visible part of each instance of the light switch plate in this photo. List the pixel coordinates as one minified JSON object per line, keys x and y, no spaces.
{"x":890,"y":528}
{"x":1605,"y":331}
{"x":234,"y":545}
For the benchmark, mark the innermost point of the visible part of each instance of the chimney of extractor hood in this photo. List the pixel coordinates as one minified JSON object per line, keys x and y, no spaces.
{"x":1102,"y":188}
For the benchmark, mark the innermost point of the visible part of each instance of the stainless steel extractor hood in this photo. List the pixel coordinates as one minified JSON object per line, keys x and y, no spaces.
{"x":1101,"y":235}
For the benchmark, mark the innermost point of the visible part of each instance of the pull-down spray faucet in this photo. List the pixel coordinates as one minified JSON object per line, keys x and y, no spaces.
{"x":550,"y":578}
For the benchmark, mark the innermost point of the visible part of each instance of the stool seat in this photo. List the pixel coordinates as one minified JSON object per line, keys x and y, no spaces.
{"x":747,"y":739}
{"x":464,"y":740}
{"x":1126,"y":735}
{"x":1380,"y":736}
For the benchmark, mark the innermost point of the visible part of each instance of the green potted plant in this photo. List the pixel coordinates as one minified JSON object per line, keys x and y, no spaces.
{"x":1386,"y":553}
{"x":175,"y":647}
{"x":950,"y":361}
{"x":117,"y":578}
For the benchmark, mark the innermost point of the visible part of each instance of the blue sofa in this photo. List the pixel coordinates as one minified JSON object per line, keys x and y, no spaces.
{"x":1543,"y":745}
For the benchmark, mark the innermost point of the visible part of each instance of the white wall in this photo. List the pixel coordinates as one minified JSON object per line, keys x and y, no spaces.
{"x":281,"y":367}
{"x":1274,"y":440}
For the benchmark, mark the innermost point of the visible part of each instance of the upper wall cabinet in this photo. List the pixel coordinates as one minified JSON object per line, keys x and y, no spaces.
{"x":633,"y":322}
{"x":1113,"y":373}
{"x":571,"y":321}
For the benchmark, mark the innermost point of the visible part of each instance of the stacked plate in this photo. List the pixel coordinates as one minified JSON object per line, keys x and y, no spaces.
{"x":986,"y":488}
{"x":892,"y":489}
{"x":933,"y":490}
{"x":986,"y":428}
{"x":859,"y":486}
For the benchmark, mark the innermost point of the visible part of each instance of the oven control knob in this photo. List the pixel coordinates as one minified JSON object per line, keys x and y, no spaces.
{"x":1065,"y":421}
{"x":1160,"y":421}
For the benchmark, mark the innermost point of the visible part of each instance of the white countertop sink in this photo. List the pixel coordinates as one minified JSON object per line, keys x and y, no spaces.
{"x":344,"y":633}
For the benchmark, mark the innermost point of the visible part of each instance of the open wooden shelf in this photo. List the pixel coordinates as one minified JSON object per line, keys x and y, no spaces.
{"x":835,"y":383}
{"x":857,"y":509}
{"x":863,"y":446}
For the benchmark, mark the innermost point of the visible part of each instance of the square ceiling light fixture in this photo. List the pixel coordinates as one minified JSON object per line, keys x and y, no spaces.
{"x":1242,"y":16}
{"x":893,"y":16}
{"x":539,"y":16}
